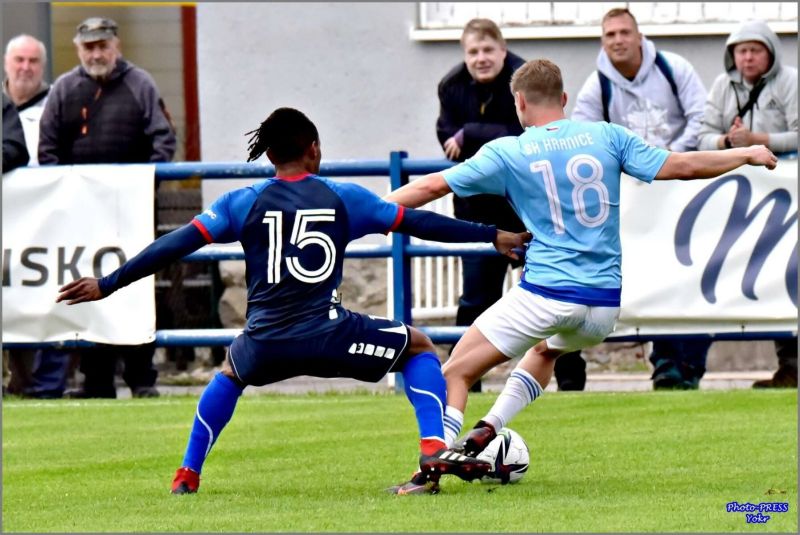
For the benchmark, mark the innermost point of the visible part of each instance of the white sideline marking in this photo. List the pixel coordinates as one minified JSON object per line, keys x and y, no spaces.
{"x":282,"y":399}
{"x":56,"y":404}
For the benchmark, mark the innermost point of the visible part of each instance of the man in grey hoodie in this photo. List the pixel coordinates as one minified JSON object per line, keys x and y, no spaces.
{"x":659,"y":96}
{"x":754,"y":102}
{"x":656,"y":94}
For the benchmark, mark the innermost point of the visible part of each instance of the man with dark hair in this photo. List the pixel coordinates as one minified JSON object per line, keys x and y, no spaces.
{"x":106,"y":110}
{"x":569,"y":295}
{"x":294,"y":229}
{"x":659,"y":96}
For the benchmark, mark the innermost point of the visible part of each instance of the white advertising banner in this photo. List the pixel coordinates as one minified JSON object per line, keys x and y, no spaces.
{"x":62,"y":223}
{"x":715,"y":255}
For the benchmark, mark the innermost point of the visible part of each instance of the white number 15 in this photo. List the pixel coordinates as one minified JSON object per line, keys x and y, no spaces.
{"x":301,"y":237}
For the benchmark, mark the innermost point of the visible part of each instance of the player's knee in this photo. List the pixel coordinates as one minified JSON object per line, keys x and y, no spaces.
{"x":458,"y":370}
{"x":228,"y":372}
{"x":545,"y":351}
{"x":420,"y":342}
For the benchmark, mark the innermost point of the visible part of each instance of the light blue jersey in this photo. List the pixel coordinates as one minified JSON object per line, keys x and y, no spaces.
{"x":563,"y":180}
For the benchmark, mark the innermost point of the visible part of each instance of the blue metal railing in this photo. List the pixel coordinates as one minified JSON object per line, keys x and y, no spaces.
{"x":398,"y":168}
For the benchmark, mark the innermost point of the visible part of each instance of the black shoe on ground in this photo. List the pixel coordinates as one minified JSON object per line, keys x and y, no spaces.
{"x":666,"y":376}
{"x":419,"y":484}
{"x":145,"y":392}
{"x":783,"y":378}
{"x":446,"y":461}
{"x":80,"y":393}
{"x":476,"y":440}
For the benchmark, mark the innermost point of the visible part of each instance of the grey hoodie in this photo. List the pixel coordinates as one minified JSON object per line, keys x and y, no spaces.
{"x":775,"y":111}
{"x":646,"y":104}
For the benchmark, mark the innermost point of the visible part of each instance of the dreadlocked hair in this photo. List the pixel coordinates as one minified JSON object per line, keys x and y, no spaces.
{"x":286,"y":133}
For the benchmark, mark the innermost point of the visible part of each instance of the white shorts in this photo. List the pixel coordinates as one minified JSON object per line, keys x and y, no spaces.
{"x":520,"y":319}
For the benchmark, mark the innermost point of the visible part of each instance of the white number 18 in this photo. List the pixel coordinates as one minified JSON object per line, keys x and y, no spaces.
{"x":581,"y":184}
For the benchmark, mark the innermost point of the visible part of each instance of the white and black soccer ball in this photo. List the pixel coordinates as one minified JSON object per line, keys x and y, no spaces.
{"x":509,"y":456}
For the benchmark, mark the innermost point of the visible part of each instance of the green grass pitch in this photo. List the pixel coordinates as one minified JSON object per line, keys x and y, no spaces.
{"x":601,"y":462}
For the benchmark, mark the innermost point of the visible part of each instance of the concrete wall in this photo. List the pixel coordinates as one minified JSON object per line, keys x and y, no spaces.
{"x":352,"y":68}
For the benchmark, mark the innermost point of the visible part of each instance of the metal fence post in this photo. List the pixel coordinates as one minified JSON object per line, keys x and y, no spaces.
{"x":401,"y":263}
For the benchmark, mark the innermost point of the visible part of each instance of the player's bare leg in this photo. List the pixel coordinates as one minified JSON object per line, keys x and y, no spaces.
{"x":525,"y":384}
{"x":472,"y":357}
{"x":540,"y":362}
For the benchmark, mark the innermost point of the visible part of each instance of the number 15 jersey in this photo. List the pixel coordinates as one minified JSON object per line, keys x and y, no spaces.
{"x":294,"y":231}
{"x":563,"y":180}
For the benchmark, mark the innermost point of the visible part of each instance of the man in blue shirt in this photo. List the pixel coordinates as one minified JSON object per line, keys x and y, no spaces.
{"x":563,"y":179}
{"x":294,"y":229}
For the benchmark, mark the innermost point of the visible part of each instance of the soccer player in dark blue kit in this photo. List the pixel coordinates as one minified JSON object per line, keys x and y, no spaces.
{"x":294,"y":229}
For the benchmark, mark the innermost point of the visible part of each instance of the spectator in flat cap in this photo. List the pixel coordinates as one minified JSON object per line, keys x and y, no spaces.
{"x":96,"y":29}
{"x":107,"y":110}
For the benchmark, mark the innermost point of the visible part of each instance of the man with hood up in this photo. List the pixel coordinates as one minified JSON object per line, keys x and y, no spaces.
{"x":753,"y":71}
{"x":755,"y":102}
{"x":659,"y":96}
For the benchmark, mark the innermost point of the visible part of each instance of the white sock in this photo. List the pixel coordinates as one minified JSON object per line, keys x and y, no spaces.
{"x":453,"y":422}
{"x":521,"y":390}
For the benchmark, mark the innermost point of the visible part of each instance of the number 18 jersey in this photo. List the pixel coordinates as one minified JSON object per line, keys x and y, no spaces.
{"x":563,"y":180}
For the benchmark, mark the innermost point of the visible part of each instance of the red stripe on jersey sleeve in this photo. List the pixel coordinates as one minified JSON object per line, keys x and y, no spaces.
{"x":397,"y":219}
{"x":203,"y":230}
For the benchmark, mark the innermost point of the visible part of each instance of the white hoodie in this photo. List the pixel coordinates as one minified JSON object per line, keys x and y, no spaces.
{"x":646,"y":104}
{"x":775,"y":111}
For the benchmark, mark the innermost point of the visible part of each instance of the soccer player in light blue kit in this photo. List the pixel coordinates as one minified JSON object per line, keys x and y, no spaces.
{"x":294,"y":229}
{"x":563,"y":179}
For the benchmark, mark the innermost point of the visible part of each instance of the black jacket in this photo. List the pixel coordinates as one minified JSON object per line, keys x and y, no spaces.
{"x":460,"y":101}
{"x":120,"y":120}
{"x":15,"y":153}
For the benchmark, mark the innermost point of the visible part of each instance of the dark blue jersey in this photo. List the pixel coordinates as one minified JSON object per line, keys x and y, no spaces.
{"x":294,"y":232}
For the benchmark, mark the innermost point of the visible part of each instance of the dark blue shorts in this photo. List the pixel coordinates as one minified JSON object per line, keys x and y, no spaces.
{"x":360,"y":347}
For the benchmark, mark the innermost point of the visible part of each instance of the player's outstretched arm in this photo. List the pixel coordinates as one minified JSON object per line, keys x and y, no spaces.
{"x":154,"y":257}
{"x":420,"y":191}
{"x":436,"y":227}
{"x":712,"y":163}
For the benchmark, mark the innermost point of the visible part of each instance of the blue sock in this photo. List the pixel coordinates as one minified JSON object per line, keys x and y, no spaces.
{"x":214,"y":411}
{"x":427,"y":391}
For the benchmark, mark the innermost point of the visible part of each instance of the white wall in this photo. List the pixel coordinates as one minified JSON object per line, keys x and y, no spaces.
{"x":352,"y":68}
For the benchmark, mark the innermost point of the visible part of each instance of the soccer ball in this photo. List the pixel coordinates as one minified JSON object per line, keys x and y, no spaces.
{"x":509,"y":456}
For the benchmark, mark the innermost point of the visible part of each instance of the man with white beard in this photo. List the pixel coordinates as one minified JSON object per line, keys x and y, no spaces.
{"x":106,"y":110}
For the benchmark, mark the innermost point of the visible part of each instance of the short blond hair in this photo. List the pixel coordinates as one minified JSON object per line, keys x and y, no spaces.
{"x":483,"y":28}
{"x":539,"y":81}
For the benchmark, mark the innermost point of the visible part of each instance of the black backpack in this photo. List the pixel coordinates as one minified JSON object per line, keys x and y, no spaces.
{"x":663,"y":66}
